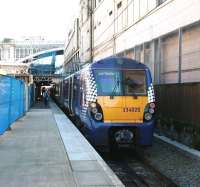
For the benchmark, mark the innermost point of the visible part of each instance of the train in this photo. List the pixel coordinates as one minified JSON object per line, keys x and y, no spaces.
{"x":112,"y":101}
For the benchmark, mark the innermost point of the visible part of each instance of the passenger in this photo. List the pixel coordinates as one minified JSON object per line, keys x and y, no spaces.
{"x":46,"y":97}
{"x":43,"y":90}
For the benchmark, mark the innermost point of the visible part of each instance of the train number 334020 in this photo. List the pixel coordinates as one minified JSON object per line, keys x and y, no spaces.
{"x":131,"y":109}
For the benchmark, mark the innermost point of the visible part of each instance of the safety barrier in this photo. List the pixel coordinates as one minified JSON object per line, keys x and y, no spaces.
{"x":13,"y":97}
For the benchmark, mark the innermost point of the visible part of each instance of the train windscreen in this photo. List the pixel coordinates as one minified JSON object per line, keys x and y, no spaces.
{"x":120,"y":83}
{"x":134,"y":82}
{"x":108,"y":82}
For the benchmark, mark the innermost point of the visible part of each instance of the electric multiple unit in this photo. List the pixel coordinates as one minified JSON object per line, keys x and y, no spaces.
{"x":112,"y":101}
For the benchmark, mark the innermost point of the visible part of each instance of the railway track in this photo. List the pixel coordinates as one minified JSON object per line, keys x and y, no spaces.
{"x":134,"y":171}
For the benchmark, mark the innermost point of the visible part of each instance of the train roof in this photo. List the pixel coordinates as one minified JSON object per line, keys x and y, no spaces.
{"x":118,"y":62}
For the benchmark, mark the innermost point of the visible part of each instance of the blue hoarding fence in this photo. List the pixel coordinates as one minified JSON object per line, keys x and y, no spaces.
{"x":31,"y":95}
{"x":12,"y":101}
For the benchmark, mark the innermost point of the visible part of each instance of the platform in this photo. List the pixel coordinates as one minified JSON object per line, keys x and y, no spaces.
{"x":45,"y":149}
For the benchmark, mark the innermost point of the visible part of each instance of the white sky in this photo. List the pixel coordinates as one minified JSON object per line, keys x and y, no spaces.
{"x":48,"y":18}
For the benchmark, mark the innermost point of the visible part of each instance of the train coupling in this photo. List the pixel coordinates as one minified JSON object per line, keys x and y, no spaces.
{"x":124,"y":136}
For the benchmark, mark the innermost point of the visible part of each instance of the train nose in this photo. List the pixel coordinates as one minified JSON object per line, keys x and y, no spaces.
{"x":123,"y":136}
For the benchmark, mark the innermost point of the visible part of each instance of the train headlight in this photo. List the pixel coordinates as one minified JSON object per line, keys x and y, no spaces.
{"x":151,"y":110}
{"x":152,"y":105}
{"x":93,"y":105}
{"x":98,"y":116}
{"x":148,"y":116}
{"x":94,"y":110}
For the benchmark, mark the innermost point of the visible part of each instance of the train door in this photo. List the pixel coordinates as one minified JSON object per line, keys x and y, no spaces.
{"x":75,"y":95}
{"x":66,"y":93}
{"x":78,"y":96}
{"x":61,"y":92}
{"x":71,"y":95}
{"x":82,"y":97}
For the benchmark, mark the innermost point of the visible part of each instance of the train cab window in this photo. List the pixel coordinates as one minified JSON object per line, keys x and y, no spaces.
{"x":108,"y":82}
{"x":134,"y":82}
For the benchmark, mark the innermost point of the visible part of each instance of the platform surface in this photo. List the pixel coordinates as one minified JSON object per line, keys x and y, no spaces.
{"x":45,"y":149}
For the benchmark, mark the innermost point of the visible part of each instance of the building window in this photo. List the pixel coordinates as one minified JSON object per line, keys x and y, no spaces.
{"x":8,"y":53}
{"x":21,"y":53}
{"x":17,"y":54}
{"x":81,"y":15}
{"x":159,"y":2}
{"x":119,"y":5}
{"x":26,"y":52}
{"x":95,"y":4}
{"x":143,"y":7}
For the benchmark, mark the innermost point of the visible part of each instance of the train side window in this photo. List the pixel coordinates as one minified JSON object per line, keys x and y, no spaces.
{"x":57,"y":90}
{"x":81,"y":91}
{"x":83,"y":94}
{"x":75,"y":88}
{"x":71,"y":93}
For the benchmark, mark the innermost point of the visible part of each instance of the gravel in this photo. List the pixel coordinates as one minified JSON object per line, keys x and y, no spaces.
{"x":183,"y":169}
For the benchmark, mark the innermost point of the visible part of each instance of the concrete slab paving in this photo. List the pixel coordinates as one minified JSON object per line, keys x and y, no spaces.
{"x":92,"y":178}
{"x":32,"y":154}
{"x":88,"y":167}
{"x":45,"y":149}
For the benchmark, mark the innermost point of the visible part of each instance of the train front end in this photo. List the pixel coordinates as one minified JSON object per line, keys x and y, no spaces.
{"x":123,"y":113}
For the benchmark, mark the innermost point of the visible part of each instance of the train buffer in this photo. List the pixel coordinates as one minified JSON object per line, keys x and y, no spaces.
{"x":45,"y":149}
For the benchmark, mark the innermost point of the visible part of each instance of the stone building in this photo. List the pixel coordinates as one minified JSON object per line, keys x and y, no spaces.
{"x":164,"y":34}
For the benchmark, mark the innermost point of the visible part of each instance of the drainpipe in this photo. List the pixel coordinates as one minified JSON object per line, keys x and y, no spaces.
{"x":90,"y":8}
{"x":179,"y":55}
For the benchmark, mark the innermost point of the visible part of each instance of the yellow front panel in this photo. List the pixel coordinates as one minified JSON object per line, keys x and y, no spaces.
{"x":123,"y":109}
{"x":135,"y":107}
{"x":116,"y":101}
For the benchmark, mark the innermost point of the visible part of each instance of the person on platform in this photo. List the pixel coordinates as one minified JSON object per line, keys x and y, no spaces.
{"x":46,"y":97}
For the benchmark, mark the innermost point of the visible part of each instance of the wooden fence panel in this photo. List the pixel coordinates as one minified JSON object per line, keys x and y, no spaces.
{"x":179,"y":101}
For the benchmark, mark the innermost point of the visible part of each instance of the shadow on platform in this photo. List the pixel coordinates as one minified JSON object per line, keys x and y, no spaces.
{"x":40,"y":105}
